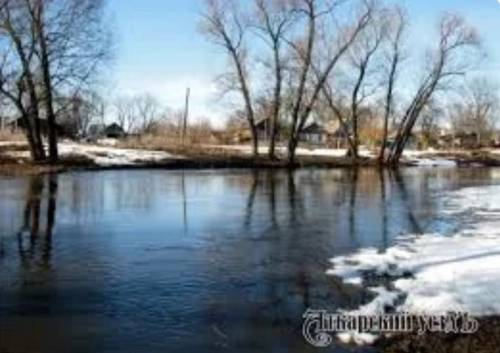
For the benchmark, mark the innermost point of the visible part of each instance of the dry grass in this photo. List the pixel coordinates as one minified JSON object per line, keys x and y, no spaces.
{"x":173,"y":144}
{"x":8,"y":135}
{"x":486,"y":340}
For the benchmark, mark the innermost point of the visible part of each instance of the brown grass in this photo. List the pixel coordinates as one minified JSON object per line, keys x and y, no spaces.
{"x":8,"y":135}
{"x":486,"y":340}
{"x":190,"y":147}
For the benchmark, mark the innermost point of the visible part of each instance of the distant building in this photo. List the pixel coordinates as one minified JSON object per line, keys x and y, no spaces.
{"x":114,"y":131}
{"x":314,"y":134}
{"x":338,"y":138}
{"x":330,"y":134}
{"x":412,"y":143}
{"x":468,"y":140}
{"x":263,"y":128}
{"x":98,"y":131}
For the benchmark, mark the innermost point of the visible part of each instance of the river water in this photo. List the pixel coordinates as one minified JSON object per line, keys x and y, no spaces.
{"x":196,"y":261}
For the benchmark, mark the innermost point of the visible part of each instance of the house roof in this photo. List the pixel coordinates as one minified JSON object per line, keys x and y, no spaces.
{"x":114,"y":126}
{"x":314,"y":128}
{"x":262,"y":123}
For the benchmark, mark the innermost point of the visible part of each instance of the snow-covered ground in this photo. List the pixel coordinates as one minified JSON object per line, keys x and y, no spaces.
{"x":109,"y":156}
{"x":305,"y":152}
{"x":106,"y":155}
{"x":104,"y":152}
{"x":432,"y":273}
{"x":426,"y":158}
{"x":12,"y":143}
{"x":432,"y":162}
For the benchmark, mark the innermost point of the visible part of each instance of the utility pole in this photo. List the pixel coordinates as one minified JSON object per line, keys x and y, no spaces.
{"x":186,"y":115}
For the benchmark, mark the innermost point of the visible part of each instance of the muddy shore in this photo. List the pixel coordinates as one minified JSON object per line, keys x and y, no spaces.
{"x":486,"y":340}
{"x":218,"y":159}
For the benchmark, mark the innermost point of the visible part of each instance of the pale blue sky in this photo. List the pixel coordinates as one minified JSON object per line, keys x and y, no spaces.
{"x":159,"y":50}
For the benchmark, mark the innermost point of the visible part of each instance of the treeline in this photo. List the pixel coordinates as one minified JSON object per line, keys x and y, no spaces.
{"x":344,"y":57}
{"x":49,"y":49}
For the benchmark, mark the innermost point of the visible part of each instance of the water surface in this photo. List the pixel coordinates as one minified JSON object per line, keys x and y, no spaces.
{"x":196,"y":261}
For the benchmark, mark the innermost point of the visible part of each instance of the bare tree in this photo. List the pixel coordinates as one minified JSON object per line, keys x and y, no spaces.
{"x":147,"y":110}
{"x":429,"y":123}
{"x":223,"y":24}
{"x":72,"y":42}
{"x":51,"y":48}
{"x":138,"y":113}
{"x":89,"y":108}
{"x":309,"y":65}
{"x":360,"y":84}
{"x":37,"y":10}
{"x":363,"y":53}
{"x":124,"y":112}
{"x":17,"y":76}
{"x":273,"y":18}
{"x":476,"y":110}
{"x":448,"y":61}
{"x":396,"y":27}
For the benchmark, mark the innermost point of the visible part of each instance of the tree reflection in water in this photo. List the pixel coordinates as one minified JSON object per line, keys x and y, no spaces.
{"x":230,"y":255}
{"x":35,"y":236}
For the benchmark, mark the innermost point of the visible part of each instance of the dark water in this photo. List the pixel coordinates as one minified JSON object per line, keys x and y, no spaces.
{"x":207,"y":261}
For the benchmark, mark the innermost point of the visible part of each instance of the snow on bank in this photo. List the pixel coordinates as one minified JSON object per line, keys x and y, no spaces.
{"x":303,"y":152}
{"x":105,"y":155}
{"x":434,"y":274}
{"x":427,"y":158}
{"x":433,"y":162}
{"x":110,"y":156}
{"x":12,"y":143}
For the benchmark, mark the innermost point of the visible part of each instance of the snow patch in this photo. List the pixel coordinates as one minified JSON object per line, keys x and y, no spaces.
{"x":435,"y":162}
{"x":434,"y":274}
{"x":12,"y":143}
{"x":104,"y":155}
{"x":304,"y":152}
{"x":110,"y":156}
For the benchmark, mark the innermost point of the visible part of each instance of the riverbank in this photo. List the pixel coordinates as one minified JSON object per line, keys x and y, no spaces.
{"x":15,"y":159}
{"x":113,"y":154}
{"x":486,"y":340}
{"x":279,"y":231}
{"x":451,"y":270}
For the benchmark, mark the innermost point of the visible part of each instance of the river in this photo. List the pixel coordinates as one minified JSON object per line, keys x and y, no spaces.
{"x":196,"y":261}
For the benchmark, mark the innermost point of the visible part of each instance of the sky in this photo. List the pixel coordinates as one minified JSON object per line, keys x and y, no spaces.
{"x":160,"y":51}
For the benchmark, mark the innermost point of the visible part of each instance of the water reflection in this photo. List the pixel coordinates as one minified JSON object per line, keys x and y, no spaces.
{"x":195,"y":261}
{"x":366,"y":207}
{"x":34,"y":239}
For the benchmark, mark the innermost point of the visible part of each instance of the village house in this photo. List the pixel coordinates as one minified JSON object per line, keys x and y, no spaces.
{"x":330,"y":135}
{"x":315,"y":134}
{"x":98,"y":131}
{"x":263,"y":128}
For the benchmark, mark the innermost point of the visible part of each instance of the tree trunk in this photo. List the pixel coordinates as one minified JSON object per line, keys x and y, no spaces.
{"x":32,"y":115}
{"x":388,"y":109}
{"x":255,"y":141}
{"x":35,"y":132}
{"x":34,"y":147}
{"x":292,"y":149}
{"x":383,"y":147}
{"x":276,"y":106}
{"x":47,"y":82}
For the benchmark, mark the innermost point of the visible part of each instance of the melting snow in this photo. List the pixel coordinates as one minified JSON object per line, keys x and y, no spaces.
{"x":435,"y":162}
{"x":109,"y":156}
{"x":434,"y":274}
{"x":105,"y":155}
